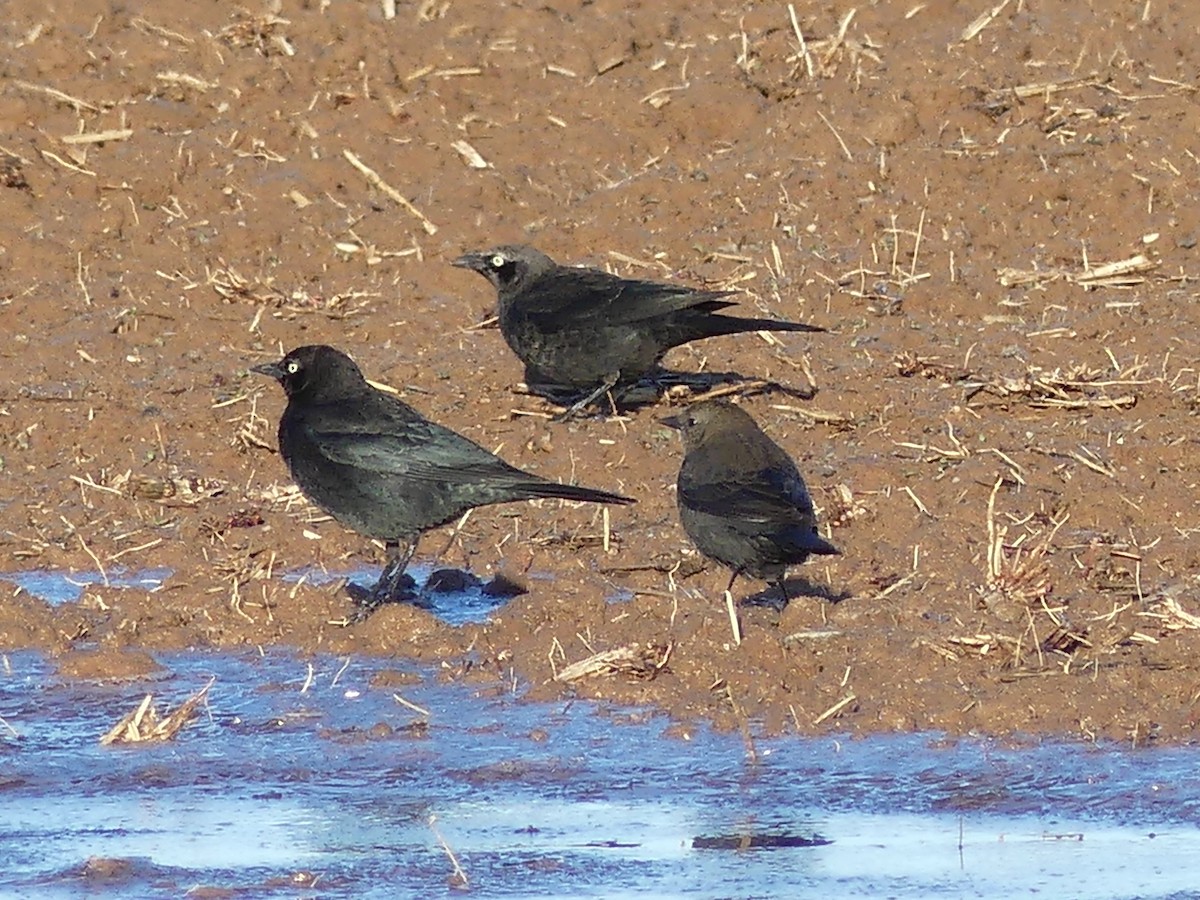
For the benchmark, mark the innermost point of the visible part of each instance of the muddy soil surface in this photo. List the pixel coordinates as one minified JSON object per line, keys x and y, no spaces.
{"x":995,"y":218}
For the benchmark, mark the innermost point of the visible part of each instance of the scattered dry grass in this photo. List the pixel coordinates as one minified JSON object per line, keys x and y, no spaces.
{"x":241,"y":568}
{"x":1122,"y":273}
{"x":804,"y":57}
{"x":1015,"y":570}
{"x":251,"y":431}
{"x":1076,"y":386}
{"x":642,"y":662}
{"x":262,"y":32}
{"x":1171,"y":615}
{"x":234,"y":287}
{"x":144,"y":725}
{"x":1018,"y":574}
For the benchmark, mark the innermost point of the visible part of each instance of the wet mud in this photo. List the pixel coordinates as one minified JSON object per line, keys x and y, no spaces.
{"x":995,"y":218}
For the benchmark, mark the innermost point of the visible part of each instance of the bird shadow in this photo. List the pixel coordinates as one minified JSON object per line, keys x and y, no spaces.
{"x":796,"y":587}
{"x":652,"y":388}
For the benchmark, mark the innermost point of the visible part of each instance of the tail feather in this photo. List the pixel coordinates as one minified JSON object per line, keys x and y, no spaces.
{"x":556,"y":491}
{"x":818,"y":545}
{"x":714,"y":325}
{"x":685,"y":328}
{"x":802,"y":541}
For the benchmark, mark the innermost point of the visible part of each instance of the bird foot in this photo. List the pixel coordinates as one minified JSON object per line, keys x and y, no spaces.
{"x":367,"y":600}
{"x":580,"y":405}
{"x":576,"y":410}
{"x":773,"y":598}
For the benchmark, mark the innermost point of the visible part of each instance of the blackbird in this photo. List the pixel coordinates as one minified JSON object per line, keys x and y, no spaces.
{"x":583,"y":332}
{"x":381,"y":468}
{"x":741,"y":499}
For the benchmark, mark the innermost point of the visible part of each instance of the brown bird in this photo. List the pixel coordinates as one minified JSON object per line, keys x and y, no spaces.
{"x":381,"y":468}
{"x":583,"y":332}
{"x":741,"y":498}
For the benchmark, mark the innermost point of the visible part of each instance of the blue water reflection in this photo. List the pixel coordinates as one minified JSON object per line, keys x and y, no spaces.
{"x":332,"y":790}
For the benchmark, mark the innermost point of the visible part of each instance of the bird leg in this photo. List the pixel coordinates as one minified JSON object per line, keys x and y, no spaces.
{"x":732,"y":579}
{"x":578,"y":406}
{"x":387,"y":588}
{"x":400,"y":553}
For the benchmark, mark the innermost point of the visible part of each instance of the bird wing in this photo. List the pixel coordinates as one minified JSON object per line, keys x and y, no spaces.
{"x":574,"y":295}
{"x":413,"y":448}
{"x":759,"y":501}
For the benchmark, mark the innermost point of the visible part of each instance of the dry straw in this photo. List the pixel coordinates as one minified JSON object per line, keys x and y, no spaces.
{"x":144,"y":725}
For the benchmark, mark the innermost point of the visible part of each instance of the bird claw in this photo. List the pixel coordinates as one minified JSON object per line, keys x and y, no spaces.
{"x":775,"y":598}
{"x":580,"y":405}
{"x":571,"y":412}
{"x":387,"y":590}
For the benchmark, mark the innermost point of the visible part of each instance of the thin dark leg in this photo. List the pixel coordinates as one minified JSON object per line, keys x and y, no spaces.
{"x":400,"y":553}
{"x":575,"y":408}
{"x":387,"y":588}
{"x":732,"y":579}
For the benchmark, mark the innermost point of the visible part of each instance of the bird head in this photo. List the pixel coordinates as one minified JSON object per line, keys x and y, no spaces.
{"x":313,"y":372}
{"x":708,"y":418}
{"x":509,"y":268}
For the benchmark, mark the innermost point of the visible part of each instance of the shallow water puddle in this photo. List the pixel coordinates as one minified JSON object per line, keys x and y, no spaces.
{"x":56,"y":586}
{"x":458,"y":598}
{"x":331,"y":791}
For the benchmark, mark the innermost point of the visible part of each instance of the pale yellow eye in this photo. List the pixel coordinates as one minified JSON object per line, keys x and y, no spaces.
{"x":293,"y":367}
{"x":498,"y":261}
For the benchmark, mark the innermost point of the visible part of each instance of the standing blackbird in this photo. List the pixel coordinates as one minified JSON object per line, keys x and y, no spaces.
{"x":584,"y":332}
{"x":381,"y":468}
{"x":741,"y":499}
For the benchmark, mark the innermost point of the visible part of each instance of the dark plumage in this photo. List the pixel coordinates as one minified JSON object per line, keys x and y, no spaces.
{"x":381,"y":468}
{"x":583,"y":332}
{"x":741,"y":499}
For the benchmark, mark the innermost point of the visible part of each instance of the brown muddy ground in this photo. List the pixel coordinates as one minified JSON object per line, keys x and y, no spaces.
{"x":999,"y":226}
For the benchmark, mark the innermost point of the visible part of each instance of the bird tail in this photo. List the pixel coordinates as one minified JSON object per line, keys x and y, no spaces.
{"x":556,"y":491}
{"x":814,"y":543}
{"x":715,"y":325}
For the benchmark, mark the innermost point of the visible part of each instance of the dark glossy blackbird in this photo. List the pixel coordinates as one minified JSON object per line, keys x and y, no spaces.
{"x":381,"y":468}
{"x":584,"y":332}
{"x":741,"y":499}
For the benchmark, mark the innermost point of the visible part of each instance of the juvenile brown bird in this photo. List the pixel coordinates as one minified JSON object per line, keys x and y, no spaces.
{"x":584,"y":332}
{"x":741,"y":498}
{"x":381,"y":468}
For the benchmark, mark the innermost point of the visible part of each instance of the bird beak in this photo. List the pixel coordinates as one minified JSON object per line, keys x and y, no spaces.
{"x":271,"y":370}
{"x":476,"y":262}
{"x":673,"y":422}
